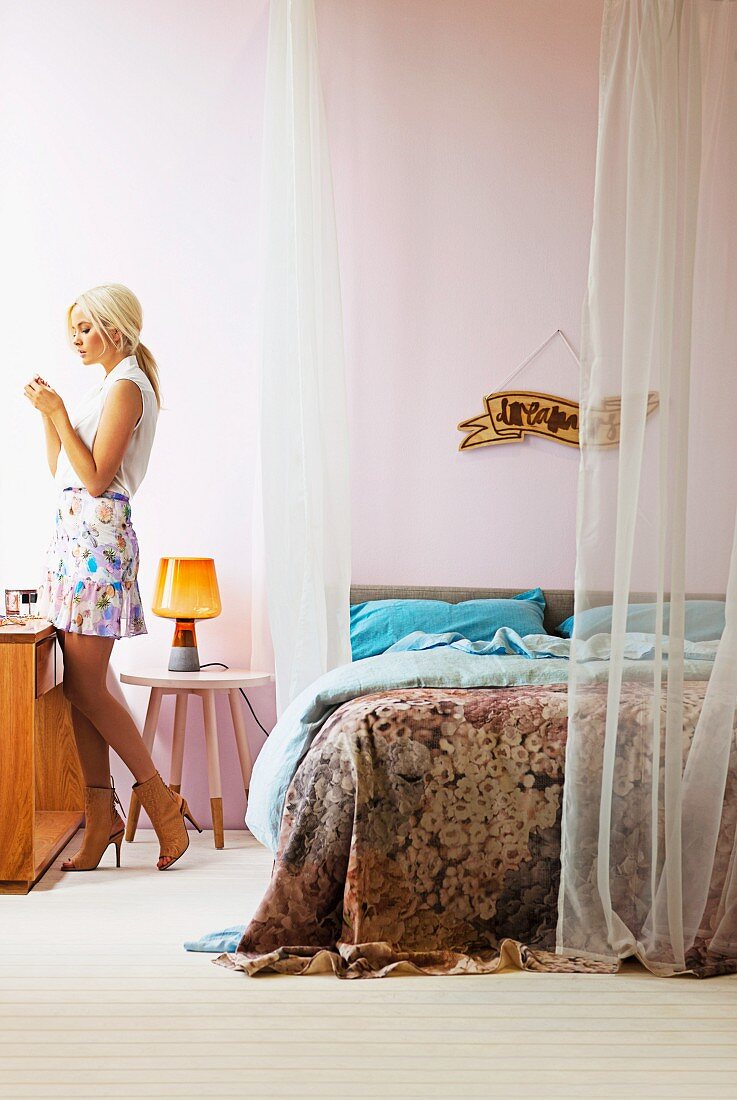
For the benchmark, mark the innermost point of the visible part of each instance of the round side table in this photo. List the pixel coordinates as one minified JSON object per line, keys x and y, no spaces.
{"x":204,"y":684}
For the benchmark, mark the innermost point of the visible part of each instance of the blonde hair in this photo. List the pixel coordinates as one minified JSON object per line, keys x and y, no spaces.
{"x":114,"y":306}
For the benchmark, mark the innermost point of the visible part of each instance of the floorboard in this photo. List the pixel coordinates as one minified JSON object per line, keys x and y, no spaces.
{"x":99,"y":999}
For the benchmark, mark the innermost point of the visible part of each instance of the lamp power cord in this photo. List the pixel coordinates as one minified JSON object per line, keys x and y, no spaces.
{"x":220,"y":664}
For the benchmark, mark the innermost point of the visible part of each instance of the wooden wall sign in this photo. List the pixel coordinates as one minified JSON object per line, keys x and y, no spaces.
{"x":512,"y":414}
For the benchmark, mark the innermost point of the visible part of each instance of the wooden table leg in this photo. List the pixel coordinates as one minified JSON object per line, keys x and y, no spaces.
{"x":241,"y":740}
{"x":213,"y":766}
{"x":177,"y":742}
{"x":149,"y":733}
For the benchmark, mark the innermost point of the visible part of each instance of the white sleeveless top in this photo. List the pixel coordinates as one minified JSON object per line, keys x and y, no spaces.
{"x":87,"y":420}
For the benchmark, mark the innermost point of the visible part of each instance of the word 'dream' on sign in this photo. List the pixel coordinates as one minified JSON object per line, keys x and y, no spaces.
{"x":512,"y":414}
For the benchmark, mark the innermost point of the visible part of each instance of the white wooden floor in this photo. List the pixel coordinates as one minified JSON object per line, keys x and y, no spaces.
{"x":98,"y":999}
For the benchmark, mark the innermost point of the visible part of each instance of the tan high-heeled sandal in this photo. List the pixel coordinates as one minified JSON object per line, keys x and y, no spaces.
{"x":103,"y":826}
{"x":167,"y":811}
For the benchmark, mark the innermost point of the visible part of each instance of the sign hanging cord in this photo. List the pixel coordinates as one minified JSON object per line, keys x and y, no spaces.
{"x":537,"y":351}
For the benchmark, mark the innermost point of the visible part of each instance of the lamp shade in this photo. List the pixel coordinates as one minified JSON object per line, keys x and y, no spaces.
{"x":186,"y":588}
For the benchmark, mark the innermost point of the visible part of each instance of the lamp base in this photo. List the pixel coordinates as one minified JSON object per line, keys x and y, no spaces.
{"x":184,"y":660}
{"x":184,"y":656}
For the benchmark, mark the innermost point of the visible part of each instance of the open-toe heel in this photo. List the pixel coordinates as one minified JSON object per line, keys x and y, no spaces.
{"x":102,"y":827}
{"x":166,"y":809}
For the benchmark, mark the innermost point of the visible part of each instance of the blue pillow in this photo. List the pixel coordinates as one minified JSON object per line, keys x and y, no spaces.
{"x":378,"y":624}
{"x":704,"y":620}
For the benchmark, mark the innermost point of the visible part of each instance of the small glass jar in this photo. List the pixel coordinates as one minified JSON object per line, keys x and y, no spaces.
{"x":12,"y":601}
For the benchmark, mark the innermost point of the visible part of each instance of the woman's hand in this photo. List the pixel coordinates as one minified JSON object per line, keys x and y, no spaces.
{"x":43,"y":398}
{"x":51,"y":432}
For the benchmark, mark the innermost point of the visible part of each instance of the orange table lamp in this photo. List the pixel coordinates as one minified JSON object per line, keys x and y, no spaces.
{"x":186,"y":589}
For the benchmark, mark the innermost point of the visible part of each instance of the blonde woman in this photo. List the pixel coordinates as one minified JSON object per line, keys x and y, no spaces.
{"x":90,"y":592}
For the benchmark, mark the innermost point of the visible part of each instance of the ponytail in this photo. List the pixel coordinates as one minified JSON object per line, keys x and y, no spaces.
{"x":147,"y":363}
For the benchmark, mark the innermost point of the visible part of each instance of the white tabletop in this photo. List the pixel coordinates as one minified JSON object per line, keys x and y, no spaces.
{"x":214,"y":679}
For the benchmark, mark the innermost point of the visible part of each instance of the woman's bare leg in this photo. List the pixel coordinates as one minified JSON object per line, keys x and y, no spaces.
{"x":102,"y":718}
{"x":93,"y":751}
{"x":92,"y":748}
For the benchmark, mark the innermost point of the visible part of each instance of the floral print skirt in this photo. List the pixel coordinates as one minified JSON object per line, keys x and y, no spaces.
{"x":91,"y":568}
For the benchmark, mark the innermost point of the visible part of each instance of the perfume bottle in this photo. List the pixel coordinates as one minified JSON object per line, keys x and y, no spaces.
{"x":12,"y":601}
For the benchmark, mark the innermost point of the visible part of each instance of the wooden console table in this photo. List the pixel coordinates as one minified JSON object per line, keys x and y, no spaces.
{"x":41,"y":787}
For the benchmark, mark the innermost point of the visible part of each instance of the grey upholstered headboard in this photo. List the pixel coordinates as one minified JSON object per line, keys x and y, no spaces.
{"x":558,"y":601}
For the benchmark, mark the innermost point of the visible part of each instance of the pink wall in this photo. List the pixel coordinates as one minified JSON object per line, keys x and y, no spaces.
{"x":463,"y":141}
{"x":463,"y":153}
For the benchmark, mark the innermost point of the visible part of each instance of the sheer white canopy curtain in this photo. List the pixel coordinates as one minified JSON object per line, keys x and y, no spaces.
{"x":301,"y":535}
{"x":649,"y":859}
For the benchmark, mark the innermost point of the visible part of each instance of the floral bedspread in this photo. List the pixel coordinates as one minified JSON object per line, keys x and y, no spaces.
{"x":421,"y":830}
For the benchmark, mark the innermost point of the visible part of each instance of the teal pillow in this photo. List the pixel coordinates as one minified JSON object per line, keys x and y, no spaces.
{"x":704,"y":620}
{"x":378,"y":624}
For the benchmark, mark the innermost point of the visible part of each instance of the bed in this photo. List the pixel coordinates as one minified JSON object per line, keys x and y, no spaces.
{"x":414,"y":807}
